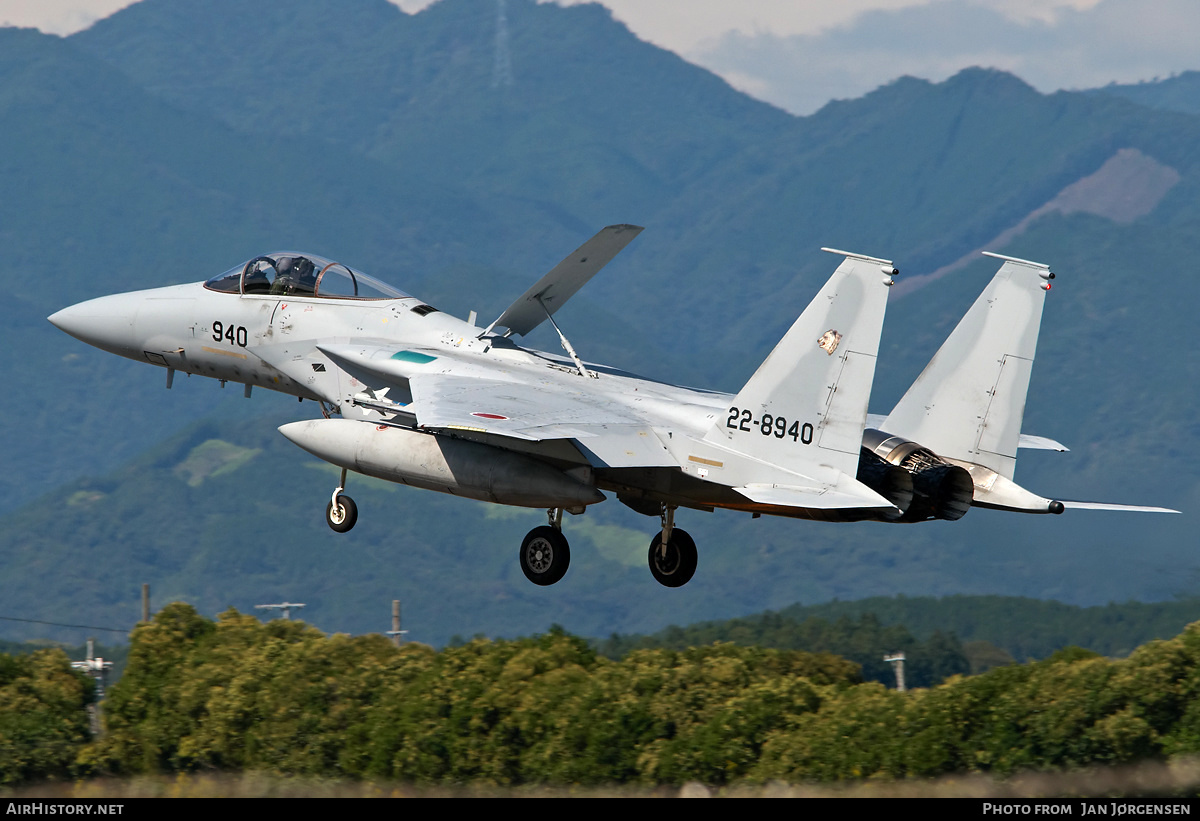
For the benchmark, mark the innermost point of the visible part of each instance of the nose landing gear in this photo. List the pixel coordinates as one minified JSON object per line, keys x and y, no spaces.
{"x":341,"y":513}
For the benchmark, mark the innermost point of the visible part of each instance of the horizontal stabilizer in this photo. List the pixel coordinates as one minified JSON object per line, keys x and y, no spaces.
{"x":1107,"y":506}
{"x":1028,"y":442}
{"x":1025,"y":442}
{"x":553,"y":290}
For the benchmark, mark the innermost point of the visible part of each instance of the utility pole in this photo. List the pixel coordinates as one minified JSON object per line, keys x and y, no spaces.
{"x":396,"y":633}
{"x":97,"y":668}
{"x":145,"y":603}
{"x":897,"y":662}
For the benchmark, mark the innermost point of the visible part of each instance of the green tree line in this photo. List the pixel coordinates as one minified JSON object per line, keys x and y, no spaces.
{"x":236,"y":694}
{"x":43,"y":716}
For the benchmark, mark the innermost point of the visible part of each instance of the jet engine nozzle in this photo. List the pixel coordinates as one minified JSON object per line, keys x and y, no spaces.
{"x":940,"y":490}
{"x":890,"y":481}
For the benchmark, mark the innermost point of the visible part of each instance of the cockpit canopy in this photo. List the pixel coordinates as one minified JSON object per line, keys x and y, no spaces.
{"x":290,"y":274}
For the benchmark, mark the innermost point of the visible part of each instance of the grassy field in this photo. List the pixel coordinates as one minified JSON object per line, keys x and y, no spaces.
{"x":1152,"y":779}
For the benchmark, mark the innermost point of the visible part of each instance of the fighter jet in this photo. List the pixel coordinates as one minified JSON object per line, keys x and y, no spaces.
{"x":411,"y":395}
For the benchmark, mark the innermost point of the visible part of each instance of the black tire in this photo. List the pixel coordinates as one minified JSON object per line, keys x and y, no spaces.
{"x":545,"y":555}
{"x":342,"y":519}
{"x":677,"y":567}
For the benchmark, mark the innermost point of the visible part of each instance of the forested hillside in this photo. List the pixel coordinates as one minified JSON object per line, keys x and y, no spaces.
{"x":940,"y":637}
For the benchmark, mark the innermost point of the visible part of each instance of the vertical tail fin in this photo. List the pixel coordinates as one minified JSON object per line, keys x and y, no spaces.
{"x":807,"y":402}
{"x":969,"y":401}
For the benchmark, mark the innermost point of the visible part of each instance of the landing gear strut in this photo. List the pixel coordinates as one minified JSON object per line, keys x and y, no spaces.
{"x":341,"y":513}
{"x":545,"y":554}
{"x":672,"y":553}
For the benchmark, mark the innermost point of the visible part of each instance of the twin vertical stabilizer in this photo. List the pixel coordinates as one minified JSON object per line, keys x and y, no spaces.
{"x":807,"y":403}
{"x":969,"y":401}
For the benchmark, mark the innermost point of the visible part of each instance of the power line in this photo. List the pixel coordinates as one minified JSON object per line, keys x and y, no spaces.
{"x":60,"y":624}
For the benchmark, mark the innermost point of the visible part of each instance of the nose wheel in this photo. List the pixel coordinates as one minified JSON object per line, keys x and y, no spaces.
{"x":341,"y":513}
{"x":545,"y":554}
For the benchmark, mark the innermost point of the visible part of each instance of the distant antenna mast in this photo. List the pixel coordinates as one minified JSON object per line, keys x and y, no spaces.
{"x":502,"y":68}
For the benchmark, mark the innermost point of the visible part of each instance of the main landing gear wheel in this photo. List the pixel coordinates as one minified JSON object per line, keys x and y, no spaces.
{"x":545,"y":555}
{"x":342,"y":516}
{"x":674,"y":566}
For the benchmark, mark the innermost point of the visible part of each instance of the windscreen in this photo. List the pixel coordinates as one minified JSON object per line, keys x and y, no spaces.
{"x":293,"y":274}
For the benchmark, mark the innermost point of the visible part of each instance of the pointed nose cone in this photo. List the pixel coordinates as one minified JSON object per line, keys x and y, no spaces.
{"x":106,"y":323}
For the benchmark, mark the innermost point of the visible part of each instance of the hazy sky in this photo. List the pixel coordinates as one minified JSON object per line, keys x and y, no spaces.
{"x":798,"y":54}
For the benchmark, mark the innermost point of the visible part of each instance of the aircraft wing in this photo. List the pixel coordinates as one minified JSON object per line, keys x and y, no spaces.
{"x":553,"y":290}
{"x":505,"y":408}
{"x":517,"y":409}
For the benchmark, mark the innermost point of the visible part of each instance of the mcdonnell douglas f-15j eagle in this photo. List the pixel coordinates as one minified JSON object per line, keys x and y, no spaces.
{"x":435,"y":402}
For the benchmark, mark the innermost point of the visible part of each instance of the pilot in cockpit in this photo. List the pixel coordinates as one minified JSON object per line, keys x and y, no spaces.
{"x":256,"y":281}
{"x":296,"y":275}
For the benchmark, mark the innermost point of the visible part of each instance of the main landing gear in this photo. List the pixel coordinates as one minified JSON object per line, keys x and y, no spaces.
{"x":545,"y":554}
{"x":341,"y":513}
{"x":672,"y":554}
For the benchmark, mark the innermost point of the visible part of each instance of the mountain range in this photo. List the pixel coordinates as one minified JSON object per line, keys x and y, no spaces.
{"x":171,"y":141}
